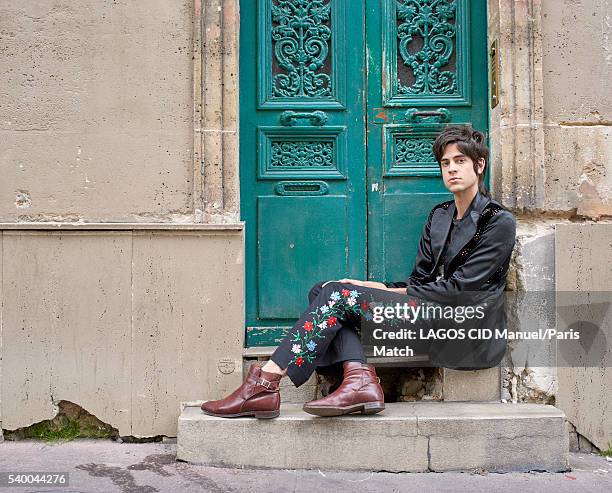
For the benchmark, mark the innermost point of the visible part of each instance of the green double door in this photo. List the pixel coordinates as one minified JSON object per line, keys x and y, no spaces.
{"x":340,"y":101}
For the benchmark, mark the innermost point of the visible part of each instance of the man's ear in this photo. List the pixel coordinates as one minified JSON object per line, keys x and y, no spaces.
{"x":481,"y":165}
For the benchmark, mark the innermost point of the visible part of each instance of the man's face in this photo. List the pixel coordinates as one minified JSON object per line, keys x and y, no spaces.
{"x":458,"y":170}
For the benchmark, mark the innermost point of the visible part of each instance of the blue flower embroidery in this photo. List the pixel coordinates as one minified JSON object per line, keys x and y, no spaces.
{"x":324,"y":316}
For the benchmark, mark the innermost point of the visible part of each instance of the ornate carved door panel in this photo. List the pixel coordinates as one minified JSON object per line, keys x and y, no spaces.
{"x":303,"y":152}
{"x":340,"y":101}
{"x":427,"y":67}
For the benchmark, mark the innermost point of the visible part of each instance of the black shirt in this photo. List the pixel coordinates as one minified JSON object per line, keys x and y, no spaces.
{"x":455,"y":227}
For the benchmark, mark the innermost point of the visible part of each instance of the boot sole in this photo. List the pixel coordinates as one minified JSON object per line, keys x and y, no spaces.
{"x":364,"y":408}
{"x":246,"y":414}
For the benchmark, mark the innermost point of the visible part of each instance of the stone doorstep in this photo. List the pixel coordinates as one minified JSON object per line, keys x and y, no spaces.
{"x":289,"y":393}
{"x":477,"y":385}
{"x":410,"y":437}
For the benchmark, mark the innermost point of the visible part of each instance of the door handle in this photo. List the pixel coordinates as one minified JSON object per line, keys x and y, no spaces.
{"x":442,"y":115}
{"x":290,"y":118}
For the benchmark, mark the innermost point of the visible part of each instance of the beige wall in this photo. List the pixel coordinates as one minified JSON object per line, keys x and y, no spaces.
{"x":550,"y":133}
{"x":96,"y":110}
{"x":577,"y":68}
{"x":551,"y":150}
{"x":584,"y":265}
{"x":577,"y":61}
{"x":126,"y":324}
{"x":116,"y":117}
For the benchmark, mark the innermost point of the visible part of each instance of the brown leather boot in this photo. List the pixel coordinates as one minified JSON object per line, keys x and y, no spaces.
{"x":360,"y":391}
{"x":258,"y":396}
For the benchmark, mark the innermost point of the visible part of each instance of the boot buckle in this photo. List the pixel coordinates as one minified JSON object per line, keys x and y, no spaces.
{"x":266,"y":384}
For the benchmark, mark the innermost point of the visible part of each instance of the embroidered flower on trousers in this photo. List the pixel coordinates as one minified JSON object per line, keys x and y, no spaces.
{"x":324,"y":317}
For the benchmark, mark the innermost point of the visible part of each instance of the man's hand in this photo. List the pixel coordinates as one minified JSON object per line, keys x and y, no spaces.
{"x":365,"y":284}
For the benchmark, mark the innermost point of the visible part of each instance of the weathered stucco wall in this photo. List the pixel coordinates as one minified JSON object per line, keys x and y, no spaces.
{"x":528,"y":371}
{"x":119,"y":112}
{"x":126,"y":324}
{"x":584,"y":265}
{"x":551,"y":154}
{"x":96,"y":110}
{"x":550,"y":133}
{"x":577,"y":60}
{"x":577,"y":68}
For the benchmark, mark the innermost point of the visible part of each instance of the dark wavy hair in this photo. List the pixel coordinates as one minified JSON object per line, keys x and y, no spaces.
{"x":470,"y":142}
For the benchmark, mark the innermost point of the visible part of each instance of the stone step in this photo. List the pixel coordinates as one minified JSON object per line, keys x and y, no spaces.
{"x":407,"y":436}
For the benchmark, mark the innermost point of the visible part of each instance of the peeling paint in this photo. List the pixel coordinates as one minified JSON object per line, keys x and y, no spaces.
{"x":536,"y":385}
{"x":532,"y":270}
{"x":22,"y":199}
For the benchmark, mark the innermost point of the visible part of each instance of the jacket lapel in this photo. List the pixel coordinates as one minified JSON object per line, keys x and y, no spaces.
{"x":441,"y":227}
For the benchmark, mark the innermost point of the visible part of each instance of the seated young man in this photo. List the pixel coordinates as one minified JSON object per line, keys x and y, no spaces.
{"x":463,"y":257}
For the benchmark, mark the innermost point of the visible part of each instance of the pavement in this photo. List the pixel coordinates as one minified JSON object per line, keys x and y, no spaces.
{"x":108,"y":466}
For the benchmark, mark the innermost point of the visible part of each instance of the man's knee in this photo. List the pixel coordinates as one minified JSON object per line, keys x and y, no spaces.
{"x":315,"y":290}
{"x":330,"y":286}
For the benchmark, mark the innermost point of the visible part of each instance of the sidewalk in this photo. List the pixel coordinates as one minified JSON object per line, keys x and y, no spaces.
{"x":107,"y":466}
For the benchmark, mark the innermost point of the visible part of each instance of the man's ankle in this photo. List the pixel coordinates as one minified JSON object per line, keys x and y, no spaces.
{"x":272,"y":367}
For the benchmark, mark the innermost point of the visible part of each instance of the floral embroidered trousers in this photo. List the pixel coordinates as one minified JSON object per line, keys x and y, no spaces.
{"x":328,"y":331}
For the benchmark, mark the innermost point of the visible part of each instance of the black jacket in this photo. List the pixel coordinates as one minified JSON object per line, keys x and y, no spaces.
{"x":475,"y":269}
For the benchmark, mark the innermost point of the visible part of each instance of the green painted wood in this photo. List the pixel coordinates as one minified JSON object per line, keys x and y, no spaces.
{"x":427,"y":52}
{"x":302,"y":50}
{"x":424,"y":56}
{"x":302,"y":153}
{"x":337,"y":175}
{"x":269,"y":336}
{"x":298,"y":235}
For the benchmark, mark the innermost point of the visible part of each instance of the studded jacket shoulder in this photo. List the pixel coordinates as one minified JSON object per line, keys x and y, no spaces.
{"x":483,"y":258}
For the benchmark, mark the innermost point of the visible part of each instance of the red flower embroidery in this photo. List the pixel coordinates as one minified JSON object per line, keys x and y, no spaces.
{"x":331,"y":321}
{"x":345,"y":293}
{"x":365,"y":305}
{"x":308,"y":326}
{"x":412,"y":302}
{"x":299,"y":361}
